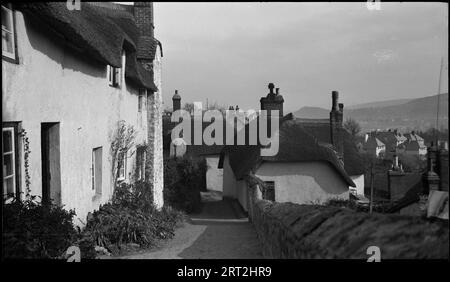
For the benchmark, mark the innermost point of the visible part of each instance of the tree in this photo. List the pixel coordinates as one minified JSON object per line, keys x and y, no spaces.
{"x":189,"y":107}
{"x":352,"y":126}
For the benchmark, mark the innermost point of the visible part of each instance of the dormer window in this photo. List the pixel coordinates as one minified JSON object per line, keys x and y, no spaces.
{"x":8,"y":38}
{"x":114,"y":76}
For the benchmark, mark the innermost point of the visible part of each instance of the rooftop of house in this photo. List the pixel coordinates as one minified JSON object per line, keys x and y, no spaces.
{"x":413,"y":137}
{"x":414,"y":146}
{"x":99,"y":31}
{"x":373,"y":142}
{"x":296,"y":144}
{"x":320,"y":129}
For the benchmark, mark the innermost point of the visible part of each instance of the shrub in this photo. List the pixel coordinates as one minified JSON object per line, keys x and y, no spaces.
{"x":184,"y":178}
{"x":35,"y":230}
{"x":131,"y":218}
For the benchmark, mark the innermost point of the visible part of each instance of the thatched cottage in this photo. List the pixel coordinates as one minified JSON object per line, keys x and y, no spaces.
{"x":69,"y":78}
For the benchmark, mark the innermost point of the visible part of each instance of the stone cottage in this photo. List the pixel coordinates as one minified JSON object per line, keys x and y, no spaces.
{"x":69,"y":78}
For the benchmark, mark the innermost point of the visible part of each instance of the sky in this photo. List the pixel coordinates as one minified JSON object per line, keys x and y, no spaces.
{"x":229,"y":52}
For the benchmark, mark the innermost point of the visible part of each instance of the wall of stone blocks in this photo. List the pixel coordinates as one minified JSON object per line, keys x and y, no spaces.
{"x":292,"y":231}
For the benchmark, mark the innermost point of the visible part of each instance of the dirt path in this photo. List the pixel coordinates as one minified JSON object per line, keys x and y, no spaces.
{"x":219,"y":231}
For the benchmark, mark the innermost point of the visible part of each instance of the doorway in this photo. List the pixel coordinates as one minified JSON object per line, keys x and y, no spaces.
{"x":51,"y":172}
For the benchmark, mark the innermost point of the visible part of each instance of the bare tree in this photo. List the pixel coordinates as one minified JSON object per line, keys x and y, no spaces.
{"x":352,"y":126}
{"x":189,"y":107}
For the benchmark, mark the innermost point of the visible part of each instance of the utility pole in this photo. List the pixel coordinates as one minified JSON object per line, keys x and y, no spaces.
{"x":371,"y":188}
{"x":438,"y":102}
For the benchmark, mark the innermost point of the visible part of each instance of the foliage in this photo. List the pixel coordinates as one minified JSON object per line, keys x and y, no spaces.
{"x":183,"y":181}
{"x":352,"y":126}
{"x":35,"y":230}
{"x":131,"y":218}
{"x":412,"y":163}
{"x":189,"y":107}
{"x":122,"y":141}
{"x":353,"y":205}
{"x":26,"y":157}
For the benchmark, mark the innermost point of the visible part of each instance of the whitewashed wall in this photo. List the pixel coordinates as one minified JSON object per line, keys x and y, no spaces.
{"x":229,"y":180}
{"x":50,"y":84}
{"x":214,"y":175}
{"x":359,"y":182}
{"x":304,"y":182}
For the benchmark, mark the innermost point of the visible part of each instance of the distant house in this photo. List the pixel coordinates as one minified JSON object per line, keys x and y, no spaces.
{"x":391,"y":139}
{"x":307,"y":168}
{"x":374,"y":146}
{"x":415,"y":145}
{"x":69,"y":77}
{"x":210,"y":153}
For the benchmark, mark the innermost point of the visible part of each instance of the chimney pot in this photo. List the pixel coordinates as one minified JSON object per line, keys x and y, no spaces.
{"x":335,"y":99}
{"x":271,"y":86}
{"x":277,"y":91}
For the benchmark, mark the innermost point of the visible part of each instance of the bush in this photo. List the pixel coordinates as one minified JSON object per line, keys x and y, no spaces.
{"x":131,"y":218}
{"x":184,"y":178}
{"x":34,"y":230}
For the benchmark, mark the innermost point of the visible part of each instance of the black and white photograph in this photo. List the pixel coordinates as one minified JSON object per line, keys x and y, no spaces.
{"x":224,"y":133}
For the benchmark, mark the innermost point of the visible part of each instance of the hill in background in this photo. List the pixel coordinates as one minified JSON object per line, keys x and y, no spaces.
{"x":403,"y":114}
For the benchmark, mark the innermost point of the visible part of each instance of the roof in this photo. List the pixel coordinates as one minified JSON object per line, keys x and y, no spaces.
{"x":320,"y":129}
{"x":100,"y":32}
{"x":373,"y":142}
{"x":296,"y":145}
{"x":414,"y":146}
{"x":411,"y":196}
{"x":413,"y":137}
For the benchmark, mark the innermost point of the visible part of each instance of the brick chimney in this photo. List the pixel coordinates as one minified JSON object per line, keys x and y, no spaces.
{"x":176,"y":101}
{"x":143,"y":15}
{"x":336,"y":117}
{"x":430,"y":177}
{"x":273,"y":101}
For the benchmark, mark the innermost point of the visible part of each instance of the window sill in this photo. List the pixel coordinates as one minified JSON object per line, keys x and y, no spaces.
{"x":10,"y":60}
{"x":97,"y":197}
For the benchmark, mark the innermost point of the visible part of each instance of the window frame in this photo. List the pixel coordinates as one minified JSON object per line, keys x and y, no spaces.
{"x":140,"y":161}
{"x":114,"y":76}
{"x":97,"y":190}
{"x":15,"y":128}
{"x":141,"y":99}
{"x":11,"y":57}
{"x":265,"y":190}
{"x":123,"y":156}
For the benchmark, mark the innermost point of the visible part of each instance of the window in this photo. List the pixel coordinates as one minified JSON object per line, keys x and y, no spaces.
{"x":11,"y":179}
{"x":97,"y":170}
{"x":8,"y":39}
{"x":114,"y":76}
{"x":269,"y":191}
{"x":140,"y":162}
{"x":141,"y":99}
{"x":122,"y":165}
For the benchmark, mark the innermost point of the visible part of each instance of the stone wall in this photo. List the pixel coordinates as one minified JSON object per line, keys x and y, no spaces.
{"x":288,"y":230}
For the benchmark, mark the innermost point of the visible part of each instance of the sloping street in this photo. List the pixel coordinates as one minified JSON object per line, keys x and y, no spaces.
{"x":220,"y":231}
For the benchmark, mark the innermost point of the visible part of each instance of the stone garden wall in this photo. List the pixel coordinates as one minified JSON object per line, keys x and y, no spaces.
{"x":289,"y":230}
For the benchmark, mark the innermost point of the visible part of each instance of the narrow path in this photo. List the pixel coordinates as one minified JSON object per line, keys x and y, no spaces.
{"x":220,"y":231}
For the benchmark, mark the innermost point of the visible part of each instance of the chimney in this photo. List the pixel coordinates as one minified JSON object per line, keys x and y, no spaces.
{"x":176,"y":101}
{"x":336,"y":117}
{"x":273,"y":101}
{"x":143,"y":14}
{"x":430,"y":177}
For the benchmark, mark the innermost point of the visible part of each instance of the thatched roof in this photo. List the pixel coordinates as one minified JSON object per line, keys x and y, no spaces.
{"x":100,"y":33}
{"x":296,"y":145}
{"x":353,"y":162}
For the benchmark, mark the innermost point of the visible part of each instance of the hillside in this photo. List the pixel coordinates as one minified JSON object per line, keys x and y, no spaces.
{"x":417,"y":113}
{"x":379,"y":104}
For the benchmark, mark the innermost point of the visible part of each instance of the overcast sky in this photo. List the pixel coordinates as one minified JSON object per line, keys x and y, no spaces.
{"x":229,"y":52}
